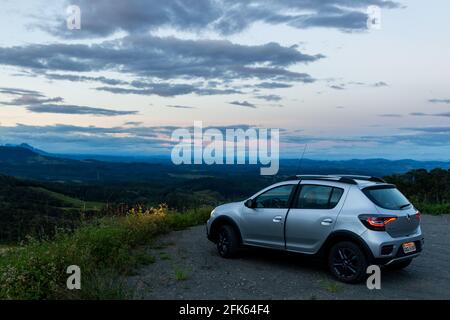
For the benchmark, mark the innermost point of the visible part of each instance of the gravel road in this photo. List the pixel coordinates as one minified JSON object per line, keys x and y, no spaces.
{"x":187,"y":266}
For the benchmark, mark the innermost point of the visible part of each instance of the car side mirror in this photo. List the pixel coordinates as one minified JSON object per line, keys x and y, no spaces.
{"x":250,"y":203}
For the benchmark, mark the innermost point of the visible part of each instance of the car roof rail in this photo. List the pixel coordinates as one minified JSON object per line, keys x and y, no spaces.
{"x":330,"y":178}
{"x":365,"y":178}
{"x":344,"y":178}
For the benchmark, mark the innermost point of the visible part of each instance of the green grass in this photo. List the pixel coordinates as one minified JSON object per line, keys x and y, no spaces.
{"x":331,"y":286}
{"x":433,"y":209}
{"x":71,"y":202}
{"x":105,"y":251}
{"x":181,"y":275}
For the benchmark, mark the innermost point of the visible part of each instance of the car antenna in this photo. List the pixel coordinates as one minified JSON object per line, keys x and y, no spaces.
{"x":299,"y":164}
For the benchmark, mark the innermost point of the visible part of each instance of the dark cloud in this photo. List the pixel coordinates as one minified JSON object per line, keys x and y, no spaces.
{"x":156,"y":63}
{"x":21,"y":92}
{"x":101,"y":18}
{"x":74,"y":109}
{"x":440,"y":101}
{"x":37,"y":102}
{"x":166,"y":89}
{"x":164,"y":58}
{"x":243,"y":104}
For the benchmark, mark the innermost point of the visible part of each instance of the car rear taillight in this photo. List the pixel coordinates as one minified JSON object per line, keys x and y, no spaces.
{"x":418,"y":215}
{"x":376,"y":222}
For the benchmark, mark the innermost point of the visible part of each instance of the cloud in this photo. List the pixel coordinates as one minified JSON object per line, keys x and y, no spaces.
{"x":273,"y":85}
{"x":30,"y":99}
{"x":422,"y":114}
{"x":440,"y":101}
{"x":21,"y":92}
{"x":102,"y":18}
{"x":74,"y":109}
{"x":37,"y":102}
{"x":429,"y":129}
{"x":164,"y":58}
{"x":337,"y":87}
{"x":419,"y":114}
{"x":180,"y":107}
{"x":132,"y":123}
{"x":269,"y":97}
{"x":166,"y":89}
{"x":78,"y":78}
{"x":380,"y":84}
{"x":243,"y":104}
{"x":390,"y":115}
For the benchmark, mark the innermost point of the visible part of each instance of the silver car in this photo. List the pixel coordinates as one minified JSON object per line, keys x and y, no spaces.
{"x":351,"y":221}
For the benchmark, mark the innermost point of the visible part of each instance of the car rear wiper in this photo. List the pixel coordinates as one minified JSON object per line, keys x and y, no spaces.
{"x":405,"y":205}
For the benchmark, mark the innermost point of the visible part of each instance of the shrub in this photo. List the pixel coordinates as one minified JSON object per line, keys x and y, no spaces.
{"x":104,"y":250}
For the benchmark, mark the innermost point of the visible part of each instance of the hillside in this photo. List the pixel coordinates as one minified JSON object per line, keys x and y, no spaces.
{"x":28,"y":208}
{"x":26,"y":161}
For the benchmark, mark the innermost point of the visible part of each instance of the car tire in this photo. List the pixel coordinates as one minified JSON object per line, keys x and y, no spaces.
{"x":227,"y":241}
{"x":399,"y":265}
{"x":347,"y":262}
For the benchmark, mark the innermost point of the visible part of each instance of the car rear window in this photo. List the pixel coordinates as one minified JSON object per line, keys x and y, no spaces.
{"x":387,"y":197}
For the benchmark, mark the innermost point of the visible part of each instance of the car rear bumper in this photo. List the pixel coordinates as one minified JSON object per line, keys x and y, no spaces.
{"x":387,"y":250}
{"x":411,"y":256}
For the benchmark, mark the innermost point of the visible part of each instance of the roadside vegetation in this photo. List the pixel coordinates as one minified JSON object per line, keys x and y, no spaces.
{"x":429,"y":191}
{"x":105,"y":249}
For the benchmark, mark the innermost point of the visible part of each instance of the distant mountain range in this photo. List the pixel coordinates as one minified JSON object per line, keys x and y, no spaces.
{"x":26,"y":161}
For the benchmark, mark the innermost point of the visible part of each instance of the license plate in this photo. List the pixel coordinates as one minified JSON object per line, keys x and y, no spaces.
{"x":409,"y":247}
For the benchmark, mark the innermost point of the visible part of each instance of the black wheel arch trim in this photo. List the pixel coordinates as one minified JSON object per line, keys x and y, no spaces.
{"x":220,"y":221}
{"x":342,"y":235}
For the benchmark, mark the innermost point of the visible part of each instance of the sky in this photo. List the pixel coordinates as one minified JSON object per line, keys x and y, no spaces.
{"x":139,"y":69}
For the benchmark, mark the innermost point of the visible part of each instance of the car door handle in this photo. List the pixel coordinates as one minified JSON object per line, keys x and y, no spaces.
{"x":277,"y":219}
{"x":326,"y":222}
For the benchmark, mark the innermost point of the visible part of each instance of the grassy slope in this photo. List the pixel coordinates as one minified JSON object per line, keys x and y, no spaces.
{"x":104,"y":251}
{"x":71,"y":202}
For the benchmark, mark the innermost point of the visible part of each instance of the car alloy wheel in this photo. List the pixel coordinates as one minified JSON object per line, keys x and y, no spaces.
{"x":224,"y":243}
{"x":345,"y":263}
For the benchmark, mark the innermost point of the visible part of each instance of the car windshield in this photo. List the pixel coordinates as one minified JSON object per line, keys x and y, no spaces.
{"x":387,"y":197}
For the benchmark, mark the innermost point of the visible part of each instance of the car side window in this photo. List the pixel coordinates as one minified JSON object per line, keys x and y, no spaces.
{"x":318,"y":197}
{"x":276,"y":198}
